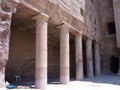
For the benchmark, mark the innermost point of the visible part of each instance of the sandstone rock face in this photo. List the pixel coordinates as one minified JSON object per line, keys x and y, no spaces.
{"x":5,"y":21}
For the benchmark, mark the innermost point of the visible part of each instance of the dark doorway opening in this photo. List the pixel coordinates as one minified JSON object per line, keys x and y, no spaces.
{"x":72,"y":58}
{"x":53,"y":54}
{"x":93,"y":55}
{"x":84,"y":57}
{"x":114,"y":64}
{"x":111,"y":28}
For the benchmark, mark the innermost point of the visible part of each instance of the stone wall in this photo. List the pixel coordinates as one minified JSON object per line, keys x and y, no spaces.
{"x":116,"y":7}
{"x":21,"y":54}
{"x":75,"y":8}
{"x":108,"y":42}
{"x":53,"y":57}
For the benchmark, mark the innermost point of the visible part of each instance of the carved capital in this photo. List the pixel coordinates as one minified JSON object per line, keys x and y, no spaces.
{"x":41,"y":16}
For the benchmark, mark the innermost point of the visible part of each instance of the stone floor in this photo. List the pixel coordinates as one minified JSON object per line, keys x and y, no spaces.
{"x":105,"y":81}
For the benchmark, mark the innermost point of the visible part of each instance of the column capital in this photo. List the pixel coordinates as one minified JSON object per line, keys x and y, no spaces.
{"x":97,"y":43}
{"x":79,"y":35}
{"x":88,"y":40}
{"x":63,"y":25}
{"x":40,"y":16}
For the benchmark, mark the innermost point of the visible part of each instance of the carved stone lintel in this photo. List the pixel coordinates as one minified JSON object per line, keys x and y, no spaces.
{"x":41,"y":16}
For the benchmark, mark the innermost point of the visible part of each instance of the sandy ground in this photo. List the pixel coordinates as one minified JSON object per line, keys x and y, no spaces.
{"x":111,"y":82}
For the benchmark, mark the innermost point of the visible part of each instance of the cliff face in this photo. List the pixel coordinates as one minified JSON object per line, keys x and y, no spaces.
{"x":5,"y":21}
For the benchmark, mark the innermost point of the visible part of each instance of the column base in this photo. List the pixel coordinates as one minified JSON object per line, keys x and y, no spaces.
{"x":79,"y":71}
{"x":90,"y":69}
{"x":2,"y":78}
{"x":118,"y":72}
{"x":41,"y":78}
{"x":64,"y":76}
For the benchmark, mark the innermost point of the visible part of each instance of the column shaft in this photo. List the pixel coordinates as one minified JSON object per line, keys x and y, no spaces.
{"x":64,"y":55}
{"x":79,"y":57}
{"x":119,"y":68}
{"x":41,"y":51}
{"x":97,"y":59}
{"x":89,"y":58}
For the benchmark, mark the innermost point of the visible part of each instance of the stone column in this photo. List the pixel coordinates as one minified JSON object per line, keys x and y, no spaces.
{"x":119,"y":68}
{"x":97,"y":59}
{"x":79,"y":57}
{"x":64,"y":54}
{"x":89,"y":58}
{"x":41,"y":51}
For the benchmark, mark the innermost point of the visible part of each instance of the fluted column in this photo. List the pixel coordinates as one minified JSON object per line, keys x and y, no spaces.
{"x":79,"y":57}
{"x":89,"y":58}
{"x":97,"y":59}
{"x":64,"y":54}
{"x":41,"y":51}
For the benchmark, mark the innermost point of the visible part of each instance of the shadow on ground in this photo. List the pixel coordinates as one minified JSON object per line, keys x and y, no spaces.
{"x":105,"y":79}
